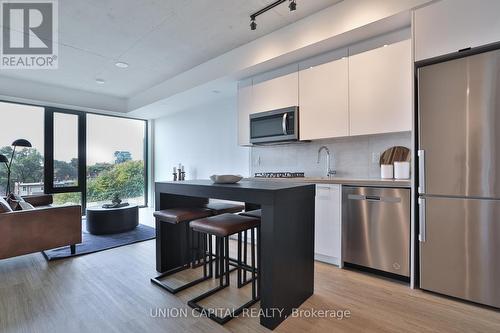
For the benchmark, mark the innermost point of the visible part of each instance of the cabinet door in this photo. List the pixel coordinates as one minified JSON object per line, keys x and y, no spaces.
{"x":323,"y":101}
{"x":448,"y":26}
{"x":245,"y":107}
{"x":380,"y":92}
{"x":327,"y":245}
{"x":277,"y":93}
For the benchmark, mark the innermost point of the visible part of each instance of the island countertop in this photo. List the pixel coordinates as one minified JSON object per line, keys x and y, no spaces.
{"x":247,"y":183}
{"x":286,"y":234}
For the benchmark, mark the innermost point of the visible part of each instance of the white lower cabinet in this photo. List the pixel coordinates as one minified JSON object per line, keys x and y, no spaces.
{"x":327,"y":243}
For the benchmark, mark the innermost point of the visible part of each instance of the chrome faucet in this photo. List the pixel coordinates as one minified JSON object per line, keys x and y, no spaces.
{"x":329,"y":171}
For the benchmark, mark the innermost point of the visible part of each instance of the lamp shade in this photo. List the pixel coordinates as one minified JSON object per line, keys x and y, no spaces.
{"x":3,"y":159}
{"x":21,"y":143}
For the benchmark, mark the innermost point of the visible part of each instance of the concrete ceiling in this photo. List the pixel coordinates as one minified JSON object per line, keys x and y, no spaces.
{"x":158,"y":38}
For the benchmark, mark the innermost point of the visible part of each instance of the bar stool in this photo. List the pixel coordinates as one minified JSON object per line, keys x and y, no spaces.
{"x":222,"y":226}
{"x":224,"y":207}
{"x":221,"y":207}
{"x":192,"y":254}
{"x":243,"y":237}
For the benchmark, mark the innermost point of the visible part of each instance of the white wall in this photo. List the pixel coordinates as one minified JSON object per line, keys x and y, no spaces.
{"x":204,"y":139}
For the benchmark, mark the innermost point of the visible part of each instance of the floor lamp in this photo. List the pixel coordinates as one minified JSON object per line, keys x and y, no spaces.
{"x":5,"y":160}
{"x":18,"y":143}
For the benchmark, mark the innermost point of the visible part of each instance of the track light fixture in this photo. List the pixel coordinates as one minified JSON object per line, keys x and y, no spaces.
{"x":253,"y":25}
{"x":292,"y":5}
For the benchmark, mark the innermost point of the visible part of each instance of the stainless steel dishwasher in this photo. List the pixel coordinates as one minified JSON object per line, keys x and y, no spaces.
{"x":376,"y":228}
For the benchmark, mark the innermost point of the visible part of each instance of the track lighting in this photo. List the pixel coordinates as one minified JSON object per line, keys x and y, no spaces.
{"x":292,"y":5}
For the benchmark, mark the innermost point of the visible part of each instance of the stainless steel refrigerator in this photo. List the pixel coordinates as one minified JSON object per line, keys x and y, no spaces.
{"x":459,"y":177}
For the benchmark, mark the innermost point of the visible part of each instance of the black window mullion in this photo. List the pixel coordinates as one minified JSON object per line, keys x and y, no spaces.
{"x":49,"y":152}
{"x":82,"y":158}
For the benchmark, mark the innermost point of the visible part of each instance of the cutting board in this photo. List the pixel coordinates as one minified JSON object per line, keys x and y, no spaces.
{"x":395,"y":154}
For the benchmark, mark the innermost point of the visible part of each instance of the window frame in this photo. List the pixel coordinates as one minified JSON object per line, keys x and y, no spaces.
{"x":49,"y":155}
{"x":82,"y":153}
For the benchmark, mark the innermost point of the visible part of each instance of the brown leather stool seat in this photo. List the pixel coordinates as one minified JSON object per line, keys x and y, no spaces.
{"x":224,"y":207}
{"x":179,"y":215}
{"x":253,"y":213}
{"x":224,"y":225}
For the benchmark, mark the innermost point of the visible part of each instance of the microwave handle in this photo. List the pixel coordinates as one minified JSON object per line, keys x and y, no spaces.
{"x":283,"y":124}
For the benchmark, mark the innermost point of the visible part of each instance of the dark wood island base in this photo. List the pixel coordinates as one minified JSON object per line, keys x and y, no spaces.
{"x":287,"y":236}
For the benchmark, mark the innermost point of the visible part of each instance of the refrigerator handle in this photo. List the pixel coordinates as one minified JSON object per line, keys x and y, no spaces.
{"x":421,"y":171}
{"x":422,"y":222}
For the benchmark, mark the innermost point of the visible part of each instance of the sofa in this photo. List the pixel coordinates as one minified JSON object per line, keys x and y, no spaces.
{"x":39,"y":229}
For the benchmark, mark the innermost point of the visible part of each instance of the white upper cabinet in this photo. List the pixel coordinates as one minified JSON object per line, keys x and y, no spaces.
{"x":276,"y":93}
{"x":245,"y":104}
{"x":380,"y":90}
{"x":366,"y":93}
{"x":450,"y":25}
{"x":324,"y":101}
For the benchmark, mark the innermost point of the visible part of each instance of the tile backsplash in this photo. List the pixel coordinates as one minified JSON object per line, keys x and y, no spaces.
{"x":351,"y":156}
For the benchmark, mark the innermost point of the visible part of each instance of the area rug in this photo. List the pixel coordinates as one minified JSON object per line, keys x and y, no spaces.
{"x":93,"y":243}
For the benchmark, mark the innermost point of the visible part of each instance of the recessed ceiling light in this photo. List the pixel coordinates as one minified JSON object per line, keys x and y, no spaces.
{"x":121,"y":64}
{"x":385,"y":45}
{"x":100,"y":81}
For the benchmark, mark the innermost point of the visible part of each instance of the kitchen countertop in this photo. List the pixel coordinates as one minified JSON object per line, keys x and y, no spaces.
{"x":406,"y":183}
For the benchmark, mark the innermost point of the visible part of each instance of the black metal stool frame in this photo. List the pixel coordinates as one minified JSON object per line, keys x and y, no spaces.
{"x":222,"y":252}
{"x":194,"y":258}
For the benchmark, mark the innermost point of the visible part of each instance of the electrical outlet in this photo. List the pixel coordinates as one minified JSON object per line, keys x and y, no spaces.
{"x":375,"y":158}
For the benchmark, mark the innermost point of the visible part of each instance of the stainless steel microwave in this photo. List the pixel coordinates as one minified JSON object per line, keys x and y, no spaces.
{"x":281,"y":125}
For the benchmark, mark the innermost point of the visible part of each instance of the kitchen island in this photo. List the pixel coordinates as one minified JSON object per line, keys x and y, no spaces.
{"x":287,"y":236}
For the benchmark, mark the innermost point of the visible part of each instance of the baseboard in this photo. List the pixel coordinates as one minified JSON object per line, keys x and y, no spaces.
{"x":327,"y":259}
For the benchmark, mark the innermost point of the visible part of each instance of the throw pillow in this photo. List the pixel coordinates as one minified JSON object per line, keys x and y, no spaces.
{"x":25,"y":205}
{"x":4,"y":206}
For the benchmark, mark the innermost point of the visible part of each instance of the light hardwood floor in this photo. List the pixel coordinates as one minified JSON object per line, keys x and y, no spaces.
{"x":110,"y":291}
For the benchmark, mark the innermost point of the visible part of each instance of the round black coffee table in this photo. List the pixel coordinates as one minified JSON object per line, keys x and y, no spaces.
{"x":102,"y":221}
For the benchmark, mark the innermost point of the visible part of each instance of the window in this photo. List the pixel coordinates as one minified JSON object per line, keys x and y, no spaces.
{"x":22,"y":122}
{"x":80,"y":158}
{"x":115,"y":159}
{"x":65,"y":150}
{"x":65,"y":156}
